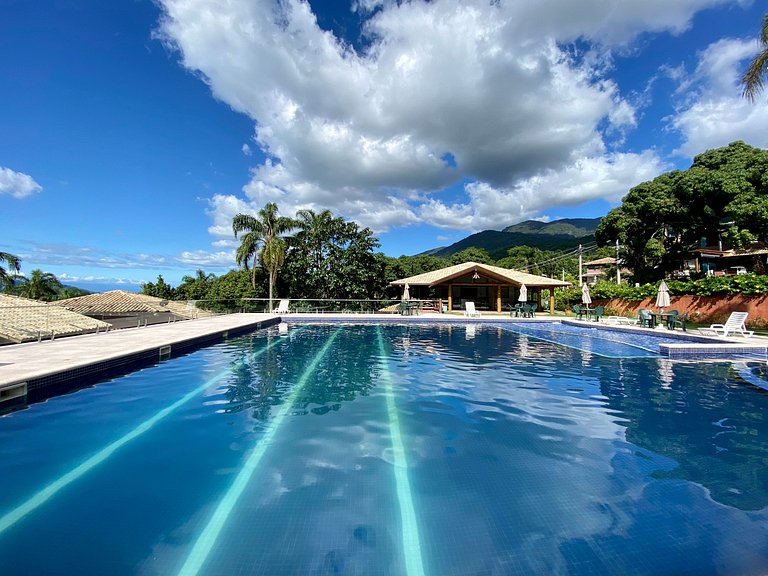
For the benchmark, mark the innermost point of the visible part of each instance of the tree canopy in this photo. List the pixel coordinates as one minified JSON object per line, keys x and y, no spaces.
{"x":661,"y":221}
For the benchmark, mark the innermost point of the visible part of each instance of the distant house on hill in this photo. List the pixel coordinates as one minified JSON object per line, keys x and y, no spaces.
{"x":722,"y":261}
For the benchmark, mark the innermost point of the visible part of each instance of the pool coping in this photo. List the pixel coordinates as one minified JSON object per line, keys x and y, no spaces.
{"x":33,"y":371}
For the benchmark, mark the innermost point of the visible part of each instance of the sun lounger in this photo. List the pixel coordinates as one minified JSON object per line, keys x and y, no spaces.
{"x":469,"y":309}
{"x":282,"y":308}
{"x":735,"y":325}
{"x":620,"y":320}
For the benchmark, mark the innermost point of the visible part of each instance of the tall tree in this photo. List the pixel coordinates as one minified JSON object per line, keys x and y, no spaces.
{"x":40,"y":286}
{"x":263,"y":235}
{"x":661,"y":221}
{"x":13,"y":263}
{"x":754,"y":78}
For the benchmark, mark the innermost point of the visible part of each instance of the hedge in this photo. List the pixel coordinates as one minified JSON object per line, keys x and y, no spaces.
{"x":747,"y":284}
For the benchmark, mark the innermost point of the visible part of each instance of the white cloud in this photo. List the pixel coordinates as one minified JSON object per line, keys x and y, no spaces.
{"x":606,"y":177}
{"x":17,"y":184}
{"x":714,"y":112}
{"x":247,"y":150}
{"x":203,"y":258}
{"x":495,"y":85}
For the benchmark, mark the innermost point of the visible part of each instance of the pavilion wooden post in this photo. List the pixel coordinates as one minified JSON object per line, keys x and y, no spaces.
{"x":538,"y":300}
{"x":450,"y":297}
{"x":551,"y":300}
{"x":498,"y":298}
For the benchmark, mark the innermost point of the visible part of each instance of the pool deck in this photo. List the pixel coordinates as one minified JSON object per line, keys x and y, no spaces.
{"x":72,"y":357}
{"x":32,"y":367}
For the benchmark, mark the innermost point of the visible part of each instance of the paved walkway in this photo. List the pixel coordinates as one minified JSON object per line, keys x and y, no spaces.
{"x":35,"y":360}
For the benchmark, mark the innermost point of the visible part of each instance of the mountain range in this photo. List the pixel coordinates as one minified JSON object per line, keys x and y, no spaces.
{"x":564,"y":234}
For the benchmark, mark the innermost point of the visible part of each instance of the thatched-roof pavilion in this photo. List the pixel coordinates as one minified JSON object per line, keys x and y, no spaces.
{"x":489,"y":287}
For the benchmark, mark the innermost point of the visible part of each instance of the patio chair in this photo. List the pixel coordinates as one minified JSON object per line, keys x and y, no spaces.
{"x":403,"y":307}
{"x":533,"y":309}
{"x":282,"y":308}
{"x":577,"y":310}
{"x":469,"y":309}
{"x":598,"y":312}
{"x":527,"y":311}
{"x":515,"y":309}
{"x":734,"y":325}
{"x":670,"y":319}
{"x":680,"y":321}
{"x":645,"y":318}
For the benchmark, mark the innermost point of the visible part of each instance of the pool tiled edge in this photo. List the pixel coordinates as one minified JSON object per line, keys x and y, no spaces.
{"x":51,"y":367}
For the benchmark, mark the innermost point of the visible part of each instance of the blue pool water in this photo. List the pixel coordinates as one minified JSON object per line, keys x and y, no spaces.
{"x":402,"y":450}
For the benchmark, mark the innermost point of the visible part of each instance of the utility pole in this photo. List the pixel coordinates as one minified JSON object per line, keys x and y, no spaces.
{"x":618,"y":267}
{"x":581,"y":281}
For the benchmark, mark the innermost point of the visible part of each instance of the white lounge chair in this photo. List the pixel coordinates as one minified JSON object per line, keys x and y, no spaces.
{"x":734,"y":325}
{"x":282,"y":308}
{"x":469,"y":309}
{"x":620,"y":320}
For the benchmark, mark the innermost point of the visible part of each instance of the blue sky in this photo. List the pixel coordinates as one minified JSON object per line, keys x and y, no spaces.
{"x":134,"y":130}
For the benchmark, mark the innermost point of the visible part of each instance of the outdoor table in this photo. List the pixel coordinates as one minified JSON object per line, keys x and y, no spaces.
{"x":659,"y":318}
{"x":585,"y":311}
{"x":413,"y":308}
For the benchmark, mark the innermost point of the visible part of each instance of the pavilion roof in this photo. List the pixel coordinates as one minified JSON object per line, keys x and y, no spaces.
{"x":122,"y":302}
{"x":503,"y":275}
{"x":24,"y":320}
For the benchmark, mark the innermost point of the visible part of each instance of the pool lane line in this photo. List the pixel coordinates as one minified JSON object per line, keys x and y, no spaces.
{"x":414,"y":565}
{"x":210,"y":534}
{"x":49,"y":491}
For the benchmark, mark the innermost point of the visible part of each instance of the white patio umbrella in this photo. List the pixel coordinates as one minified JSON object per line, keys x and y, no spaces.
{"x":585,"y":297}
{"x":523,"y":294}
{"x":406,"y":293}
{"x":662,"y":298}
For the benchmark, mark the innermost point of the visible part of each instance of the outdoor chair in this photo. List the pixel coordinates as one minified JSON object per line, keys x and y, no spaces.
{"x":670,"y":319}
{"x":527,"y":311}
{"x":598,"y":312}
{"x":282,"y":308}
{"x":577,"y":311}
{"x":469,"y":309}
{"x":734,"y":325}
{"x":645,"y":318}
{"x":533,"y":309}
{"x":680,"y":321}
{"x":515,"y":309}
{"x":403,"y":306}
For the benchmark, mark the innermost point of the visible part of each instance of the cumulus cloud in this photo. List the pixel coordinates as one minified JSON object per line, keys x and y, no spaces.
{"x":449,"y":91}
{"x":714,"y":113}
{"x":17,"y":184}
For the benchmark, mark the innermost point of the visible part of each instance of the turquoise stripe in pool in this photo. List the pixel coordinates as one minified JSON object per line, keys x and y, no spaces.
{"x":395,"y":450}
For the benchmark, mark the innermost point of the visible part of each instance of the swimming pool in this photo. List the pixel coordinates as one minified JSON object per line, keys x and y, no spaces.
{"x":437,"y":450}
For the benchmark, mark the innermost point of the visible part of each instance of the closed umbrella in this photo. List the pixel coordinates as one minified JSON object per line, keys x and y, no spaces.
{"x":662,"y":298}
{"x":523,"y":294}
{"x":406,"y":293}
{"x":585,"y":298}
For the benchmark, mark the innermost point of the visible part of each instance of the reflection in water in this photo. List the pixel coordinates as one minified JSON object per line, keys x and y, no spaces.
{"x":711,"y":424}
{"x":260,"y":385}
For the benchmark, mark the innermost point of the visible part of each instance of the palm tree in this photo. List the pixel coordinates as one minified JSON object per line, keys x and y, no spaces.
{"x":754,"y":78}
{"x":40,"y":286}
{"x":14,"y":263}
{"x":262,"y":237}
{"x":315,"y":231}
